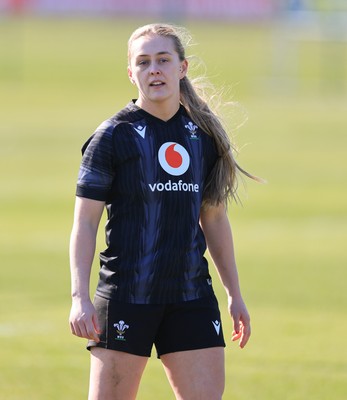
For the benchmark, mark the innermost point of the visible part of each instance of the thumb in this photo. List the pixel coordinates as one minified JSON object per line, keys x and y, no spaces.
{"x":96,"y":324}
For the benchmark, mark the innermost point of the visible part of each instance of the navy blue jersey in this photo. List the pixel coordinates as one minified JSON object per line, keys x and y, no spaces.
{"x":151,"y":175}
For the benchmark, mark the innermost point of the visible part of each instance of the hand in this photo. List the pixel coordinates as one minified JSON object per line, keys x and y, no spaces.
{"x":242,"y":326}
{"x":83,"y":320}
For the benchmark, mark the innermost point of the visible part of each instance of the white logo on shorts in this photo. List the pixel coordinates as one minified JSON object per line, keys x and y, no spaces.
{"x":216,"y":325}
{"x":121,"y":327}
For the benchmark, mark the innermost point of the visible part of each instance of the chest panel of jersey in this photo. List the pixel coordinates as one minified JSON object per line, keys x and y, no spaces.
{"x":155,"y":245}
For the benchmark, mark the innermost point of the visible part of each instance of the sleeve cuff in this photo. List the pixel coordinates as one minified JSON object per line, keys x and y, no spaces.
{"x":91,"y":193}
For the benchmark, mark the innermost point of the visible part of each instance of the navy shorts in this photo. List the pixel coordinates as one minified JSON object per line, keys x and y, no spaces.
{"x":134,"y":328}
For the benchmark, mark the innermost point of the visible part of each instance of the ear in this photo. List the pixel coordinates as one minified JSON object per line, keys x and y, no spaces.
{"x":130,"y":75}
{"x":183,"y":69}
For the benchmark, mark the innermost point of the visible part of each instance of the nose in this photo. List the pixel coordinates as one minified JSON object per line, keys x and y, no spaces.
{"x":154,"y":70}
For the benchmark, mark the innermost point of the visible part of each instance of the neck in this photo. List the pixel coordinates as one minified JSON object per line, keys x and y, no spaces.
{"x":162,"y":111}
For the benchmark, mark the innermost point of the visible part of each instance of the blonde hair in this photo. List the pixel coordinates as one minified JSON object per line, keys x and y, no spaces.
{"x":222,"y":182}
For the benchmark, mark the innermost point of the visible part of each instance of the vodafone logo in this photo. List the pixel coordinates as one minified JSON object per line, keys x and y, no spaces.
{"x":173,"y":158}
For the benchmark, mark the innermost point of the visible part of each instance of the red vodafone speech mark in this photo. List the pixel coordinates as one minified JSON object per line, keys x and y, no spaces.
{"x":173,"y":157}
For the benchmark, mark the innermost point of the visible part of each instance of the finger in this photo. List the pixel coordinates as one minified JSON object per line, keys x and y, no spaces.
{"x":86,"y":329}
{"x":93,"y":334}
{"x":246,"y":333}
{"x":96,"y":324}
{"x":75,"y":330}
{"x":236,"y":324}
{"x":83,"y":326}
{"x":91,"y":329}
{"x":236,"y":335}
{"x":72,"y":329}
{"x":71,"y":324}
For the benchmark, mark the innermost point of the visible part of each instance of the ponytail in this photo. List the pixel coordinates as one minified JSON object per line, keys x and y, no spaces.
{"x":222,"y":183}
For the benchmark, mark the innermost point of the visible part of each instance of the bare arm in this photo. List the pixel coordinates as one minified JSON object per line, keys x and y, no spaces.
{"x":215,"y":224}
{"x":83,"y":320}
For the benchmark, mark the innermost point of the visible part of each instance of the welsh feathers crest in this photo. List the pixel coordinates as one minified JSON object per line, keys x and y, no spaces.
{"x":192,"y":129}
{"x":121,"y":327}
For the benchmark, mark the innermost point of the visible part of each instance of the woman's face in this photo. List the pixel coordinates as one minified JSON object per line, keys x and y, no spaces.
{"x":156,"y":70}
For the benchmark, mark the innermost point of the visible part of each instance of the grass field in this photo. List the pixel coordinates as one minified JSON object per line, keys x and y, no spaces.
{"x":59,"y":78}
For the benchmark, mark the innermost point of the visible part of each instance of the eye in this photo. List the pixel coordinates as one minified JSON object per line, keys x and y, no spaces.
{"x":163,"y":60}
{"x":142,"y":62}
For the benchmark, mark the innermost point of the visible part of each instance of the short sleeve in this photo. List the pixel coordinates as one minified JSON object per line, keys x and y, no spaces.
{"x":96,"y":171}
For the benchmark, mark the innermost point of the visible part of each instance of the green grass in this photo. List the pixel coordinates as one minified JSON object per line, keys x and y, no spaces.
{"x":59,"y":78}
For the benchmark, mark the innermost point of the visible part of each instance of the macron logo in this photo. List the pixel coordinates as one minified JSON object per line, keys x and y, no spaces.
{"x":216,"y":325}
{"x":141,"y":130}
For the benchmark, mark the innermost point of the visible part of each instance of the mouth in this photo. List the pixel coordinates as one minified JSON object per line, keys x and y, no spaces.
{"x":157,"y":84}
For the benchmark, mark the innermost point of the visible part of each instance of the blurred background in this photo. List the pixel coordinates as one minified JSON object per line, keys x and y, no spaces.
{"x":63,"y":71}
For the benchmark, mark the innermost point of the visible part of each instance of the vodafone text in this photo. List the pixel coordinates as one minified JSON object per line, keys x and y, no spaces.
{"x":179,"y":186}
